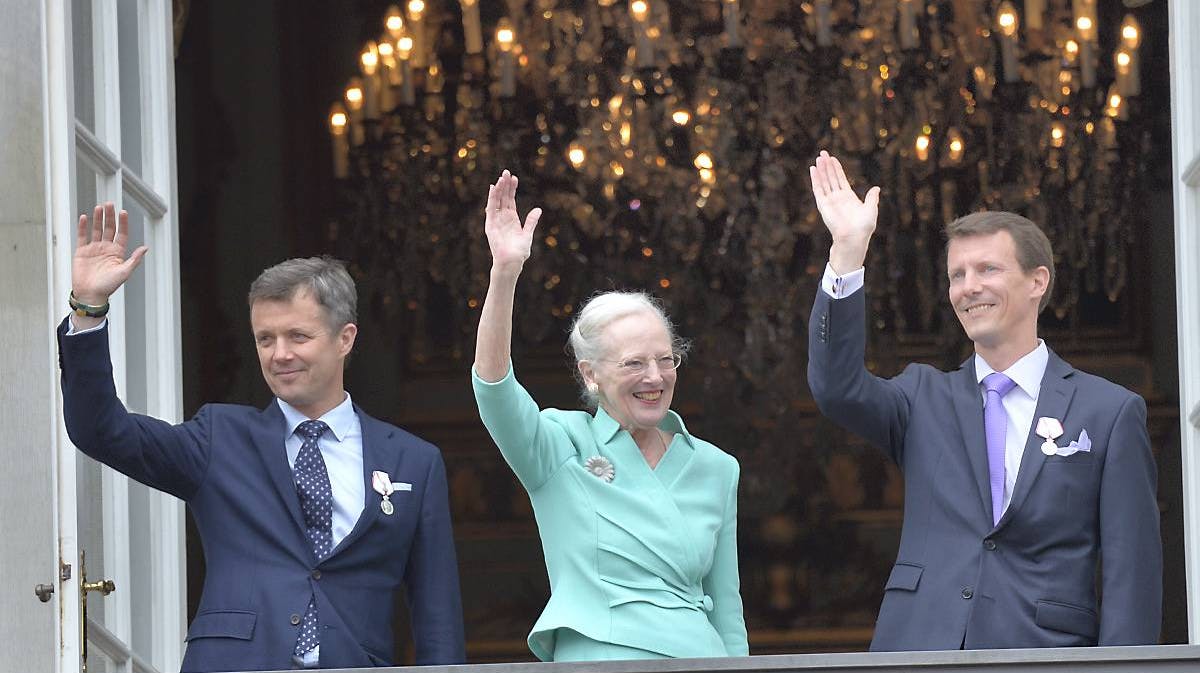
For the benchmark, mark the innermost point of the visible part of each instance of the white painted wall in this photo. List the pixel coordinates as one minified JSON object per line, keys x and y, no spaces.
{"x":27,"y":361}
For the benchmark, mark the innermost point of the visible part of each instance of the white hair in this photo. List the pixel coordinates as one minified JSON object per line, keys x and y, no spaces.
{"x":586,"y":339}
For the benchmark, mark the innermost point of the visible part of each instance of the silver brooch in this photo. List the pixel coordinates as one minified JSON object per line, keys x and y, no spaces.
{"x":600,"y":467}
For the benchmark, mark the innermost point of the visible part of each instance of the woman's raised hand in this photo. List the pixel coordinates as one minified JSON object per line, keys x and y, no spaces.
{"x":509,"y":240}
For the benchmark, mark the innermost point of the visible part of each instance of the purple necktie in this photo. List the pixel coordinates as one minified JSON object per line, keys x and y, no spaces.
{"x":995,"y":421}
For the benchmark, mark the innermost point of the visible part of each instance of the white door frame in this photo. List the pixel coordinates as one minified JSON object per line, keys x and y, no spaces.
{"x":154,"y":193}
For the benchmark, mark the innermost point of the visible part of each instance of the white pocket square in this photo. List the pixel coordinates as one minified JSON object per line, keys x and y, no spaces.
{"x":401,"y":486}
{"x":1084,"y":444}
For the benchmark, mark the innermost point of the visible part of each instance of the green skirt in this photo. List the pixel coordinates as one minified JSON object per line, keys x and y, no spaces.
{"x":570,"y":645}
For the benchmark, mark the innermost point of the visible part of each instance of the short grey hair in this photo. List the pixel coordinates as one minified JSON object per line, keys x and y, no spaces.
{"x":324,"y":277}
{"x":603,"y":309}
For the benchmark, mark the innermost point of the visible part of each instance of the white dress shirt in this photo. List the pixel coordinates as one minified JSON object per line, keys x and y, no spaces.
{"x":1019,"y":405}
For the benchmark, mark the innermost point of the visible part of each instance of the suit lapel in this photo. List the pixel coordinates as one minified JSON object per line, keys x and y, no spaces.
{"x":376,"y":438}
{"x":968,"y":408}
{"x":268,"y":438}
{"x":1053,"y":401}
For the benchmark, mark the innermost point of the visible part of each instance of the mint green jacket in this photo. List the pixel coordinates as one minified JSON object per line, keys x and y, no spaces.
{"x":648,"y":560}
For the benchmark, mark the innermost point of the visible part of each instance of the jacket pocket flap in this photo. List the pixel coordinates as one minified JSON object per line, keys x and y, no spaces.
{"x":1066,"y":618}
{"x":905,"y":576}
{"x":223,"y":624}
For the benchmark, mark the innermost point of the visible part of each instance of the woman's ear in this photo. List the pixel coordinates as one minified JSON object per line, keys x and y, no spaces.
{"x":588,"y":374}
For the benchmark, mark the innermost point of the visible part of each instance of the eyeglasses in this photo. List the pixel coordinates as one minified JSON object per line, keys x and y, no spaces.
{"x":640,"y":365}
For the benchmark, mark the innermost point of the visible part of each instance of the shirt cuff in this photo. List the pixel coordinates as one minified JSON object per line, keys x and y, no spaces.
{"x":840,"y":287}
{"x":71,"y":331}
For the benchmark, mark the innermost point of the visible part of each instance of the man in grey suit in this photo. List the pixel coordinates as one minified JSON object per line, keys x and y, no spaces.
{"x":1029,"y":485}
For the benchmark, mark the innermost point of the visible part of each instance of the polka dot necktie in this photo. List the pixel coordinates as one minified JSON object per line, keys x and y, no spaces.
{"x":316,"y":501}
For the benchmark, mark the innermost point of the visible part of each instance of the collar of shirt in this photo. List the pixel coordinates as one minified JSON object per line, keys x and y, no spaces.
{"x":1027,"y":372}
{"x":605,"y":426}
{"x":340,"y":419}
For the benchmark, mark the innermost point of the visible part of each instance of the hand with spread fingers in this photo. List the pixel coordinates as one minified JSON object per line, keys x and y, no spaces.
{"x":509,"y":241}
{"x":849,"y":219}
{"x":100,"y":265}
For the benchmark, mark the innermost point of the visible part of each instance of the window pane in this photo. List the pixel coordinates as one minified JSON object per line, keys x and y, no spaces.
{"x":82,"y":64}
{"x":85,"y":192}
{"x":136,"y":357}
{"x":90,"y":517}
{"x":141,"y":570}
{"x":131,"y":84}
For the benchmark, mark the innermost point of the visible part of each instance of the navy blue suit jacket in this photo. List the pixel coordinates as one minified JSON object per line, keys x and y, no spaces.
{"x":230,"y":466}
{"x":1030,"y":580}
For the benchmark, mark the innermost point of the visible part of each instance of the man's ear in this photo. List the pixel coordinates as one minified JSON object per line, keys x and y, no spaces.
{"x":1041,"y":281}
{"x":346,"y":338}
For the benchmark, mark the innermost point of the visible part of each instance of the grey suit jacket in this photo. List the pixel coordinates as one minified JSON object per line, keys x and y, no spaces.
{"x":1030,"y":580}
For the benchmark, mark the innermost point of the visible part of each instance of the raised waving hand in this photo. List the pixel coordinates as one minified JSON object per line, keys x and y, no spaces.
{"x":510,"y":243}
{"x":100,"y":264}
{"x":509,"y":240}
{"x":850,"y":220}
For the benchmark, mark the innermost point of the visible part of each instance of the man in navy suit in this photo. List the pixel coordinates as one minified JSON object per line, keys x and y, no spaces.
{"x":312,"y":513}
{"x":1029,"y":485}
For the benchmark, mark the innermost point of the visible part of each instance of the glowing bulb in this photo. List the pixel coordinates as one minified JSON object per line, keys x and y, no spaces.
{"x":415,"y":9}
{"x":505,"y":35}
{"x":370,"y":58}
{"x":704,"y":161}
{"x":1131,"y":33}
{"x":354,"y":97}
{"x":681,"y":117}
{"x":922,"y":147}
{"x":394,"y":22}
{"x":1072,"y":47}
{"x":1114,"y":101}
{"x":639,"y":9}
{"x":1123,"y":59}
{"x":404,"y":47}
{"x":1057,"y":135}
{"x":1006,"y":19}
{"x":337,"y":120}
{"x":1084,"y":24}
{"x":576,"y":155}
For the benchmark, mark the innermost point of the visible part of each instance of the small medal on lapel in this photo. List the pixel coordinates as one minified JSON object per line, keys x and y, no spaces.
{"x":382,"y":483}
{"x":1049,"y":429}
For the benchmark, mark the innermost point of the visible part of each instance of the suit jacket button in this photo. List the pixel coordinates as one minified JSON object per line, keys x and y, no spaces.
{"x":316,"y":574}
{"x":295,"y":620}
{"x":967,"y":593}
{"x":989,"y":544}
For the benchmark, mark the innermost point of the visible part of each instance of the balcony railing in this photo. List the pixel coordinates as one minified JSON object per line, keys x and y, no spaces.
{"x":1155,"y":659}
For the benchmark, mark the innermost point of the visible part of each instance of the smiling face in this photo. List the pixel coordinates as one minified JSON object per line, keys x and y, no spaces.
{"x":994,"y":299}
{"x":637,"y":401}
{"x":300,"y":355}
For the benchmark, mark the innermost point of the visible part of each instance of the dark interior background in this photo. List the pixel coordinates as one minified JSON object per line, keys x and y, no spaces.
{"x":254,"y":81}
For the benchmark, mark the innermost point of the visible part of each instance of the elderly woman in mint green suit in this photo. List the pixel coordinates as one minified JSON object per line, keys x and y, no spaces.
{"x":637,"y":516}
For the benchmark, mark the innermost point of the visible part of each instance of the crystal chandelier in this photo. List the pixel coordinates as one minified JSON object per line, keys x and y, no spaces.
{"x":668,"y":142}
